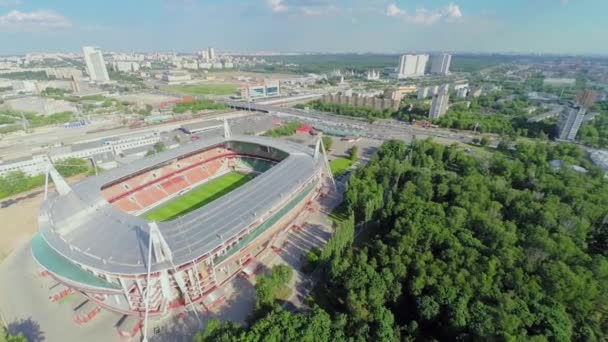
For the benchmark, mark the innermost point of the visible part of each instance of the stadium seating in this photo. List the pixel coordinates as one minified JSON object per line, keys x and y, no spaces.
{"x":149,"y":196}
{"x":175,"y":184}
{"x":145,"y":189}
{"x":195,"y":175}
{"x":127,"y":205}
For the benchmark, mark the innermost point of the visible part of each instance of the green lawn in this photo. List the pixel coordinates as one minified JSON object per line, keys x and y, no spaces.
{"x":197,"y":197}
{"x":204,"y":89}
{"x":339,"y":166}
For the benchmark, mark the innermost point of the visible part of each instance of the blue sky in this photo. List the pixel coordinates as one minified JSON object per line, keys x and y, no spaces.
{"x":554,"y":26}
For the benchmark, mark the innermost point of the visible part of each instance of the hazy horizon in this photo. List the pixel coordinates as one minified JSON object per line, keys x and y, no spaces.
{"x":320,"y":26}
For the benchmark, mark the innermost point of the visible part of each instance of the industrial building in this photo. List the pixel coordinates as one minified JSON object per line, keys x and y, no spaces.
{"x":262,"y":90}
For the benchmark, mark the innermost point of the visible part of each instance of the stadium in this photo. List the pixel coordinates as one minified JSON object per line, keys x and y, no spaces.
{"x":201,"y":214}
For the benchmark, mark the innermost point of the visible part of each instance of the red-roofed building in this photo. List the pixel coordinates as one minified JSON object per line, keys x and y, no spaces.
{"x":304,"y":129}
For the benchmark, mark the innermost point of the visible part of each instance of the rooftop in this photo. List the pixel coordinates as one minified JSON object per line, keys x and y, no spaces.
{"x":83,"y":227}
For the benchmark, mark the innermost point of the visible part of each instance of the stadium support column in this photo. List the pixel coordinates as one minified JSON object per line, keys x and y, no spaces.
{"x":321,"y":153}
{"x":60,"y":184}
{"x":162,"y":253}
{"x":227,"y":132}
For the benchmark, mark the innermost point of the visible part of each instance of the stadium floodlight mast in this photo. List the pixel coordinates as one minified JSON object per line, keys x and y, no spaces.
{"x":61,"y":185}
{"x":321,"y":153}
{"x":227,"y":131}
{"x":157,"y":242}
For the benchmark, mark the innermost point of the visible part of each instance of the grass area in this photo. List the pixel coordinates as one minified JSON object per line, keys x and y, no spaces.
{"x":339,"y":166}
{"x":204,"y":89}
{"x":198,"y":197}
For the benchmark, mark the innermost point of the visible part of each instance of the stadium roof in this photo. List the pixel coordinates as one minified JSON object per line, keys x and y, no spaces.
{"x":83,"y":227}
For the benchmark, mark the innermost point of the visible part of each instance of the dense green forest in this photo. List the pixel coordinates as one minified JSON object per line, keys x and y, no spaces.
{"x":458,"y":248}
{"x":347,"y":110}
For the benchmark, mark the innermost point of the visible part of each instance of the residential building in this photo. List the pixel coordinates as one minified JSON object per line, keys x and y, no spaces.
{"x":95,"y":64}
{"x":440,"y":64}
{"x":462,"y":92}
{"x":398,"y":93}
{"x":412,"y":65}
{"x":176,"y":77}
{"x":440,"y":102}
{"x":126,"y":66}
{"x":64,"y":73}
{"x":423,"y":93}
{"x":360,"y":100}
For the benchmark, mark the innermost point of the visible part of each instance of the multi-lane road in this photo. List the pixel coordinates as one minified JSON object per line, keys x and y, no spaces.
{"x":380,"y":129}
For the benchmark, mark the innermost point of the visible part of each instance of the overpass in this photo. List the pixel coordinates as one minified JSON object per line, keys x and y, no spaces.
{"x":380,"y":129}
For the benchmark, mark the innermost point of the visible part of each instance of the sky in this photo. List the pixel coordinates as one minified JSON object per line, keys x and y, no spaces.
{"x":393,"y":26}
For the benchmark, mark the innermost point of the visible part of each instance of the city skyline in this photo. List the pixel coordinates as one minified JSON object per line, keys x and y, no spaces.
{"x":297,"y":25}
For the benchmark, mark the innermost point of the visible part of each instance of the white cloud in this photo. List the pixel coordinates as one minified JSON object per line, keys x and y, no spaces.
{"x":32,"y":21}
{"x":303,"y":7}
{"x":393,"y":11}
{"x":425,"y":16}
{"x":277,"y":6}
{"x":452,"y":11}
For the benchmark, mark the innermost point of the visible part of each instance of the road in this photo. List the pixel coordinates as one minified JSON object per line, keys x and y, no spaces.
{"x":16,"y":145}
{"x":380,"y":129}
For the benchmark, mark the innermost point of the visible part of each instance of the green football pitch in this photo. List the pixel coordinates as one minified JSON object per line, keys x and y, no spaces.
{"x":197,"y":197}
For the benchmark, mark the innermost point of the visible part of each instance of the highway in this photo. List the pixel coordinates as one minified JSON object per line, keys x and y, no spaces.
{"x":380,"y":129}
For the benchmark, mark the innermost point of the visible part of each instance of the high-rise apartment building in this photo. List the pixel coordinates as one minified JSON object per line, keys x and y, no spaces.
{"x":439,"y":104}
{"x":570,"y":121}
{"x":423,"y":93}
{"x":440,"y":64}
{"x":412,"y":65}
{"x":95,"y":65}
{"x":211,"y":52}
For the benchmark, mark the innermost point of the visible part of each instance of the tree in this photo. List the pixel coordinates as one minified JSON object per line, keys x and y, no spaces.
{"x":453,"y":247}
{"x":273,"y":286}
{"x":6,"y":337}
{"x":353,"y":154}
{"x":484,"y":141}
{"x":156,"y":148}
{"x":327,"y":142}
